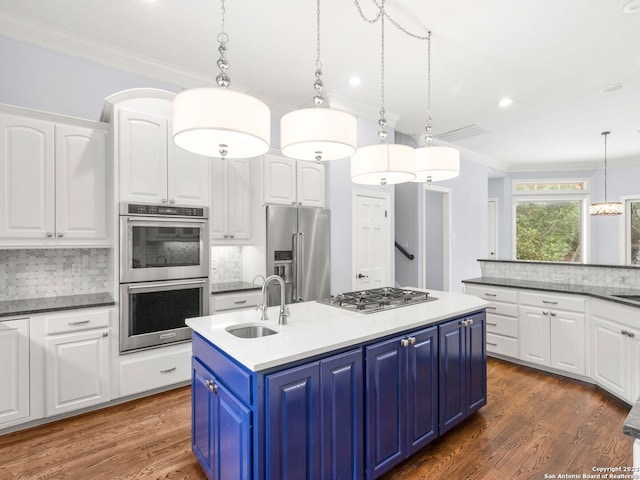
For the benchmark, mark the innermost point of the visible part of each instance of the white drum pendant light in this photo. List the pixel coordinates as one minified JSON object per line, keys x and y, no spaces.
{"x":218,"y":122}
{"x":383,"y":164}
{"x":435,"y":163}
{"x":318,"y":133}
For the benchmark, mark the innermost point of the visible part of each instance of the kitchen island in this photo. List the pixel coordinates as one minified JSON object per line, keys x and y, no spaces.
{"x":334,"y":394}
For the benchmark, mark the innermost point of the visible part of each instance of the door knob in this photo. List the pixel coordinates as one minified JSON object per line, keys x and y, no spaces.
{"x":362,"y":276}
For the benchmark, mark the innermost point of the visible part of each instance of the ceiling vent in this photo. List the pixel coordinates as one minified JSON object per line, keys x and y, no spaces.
{"x":461,"y":133}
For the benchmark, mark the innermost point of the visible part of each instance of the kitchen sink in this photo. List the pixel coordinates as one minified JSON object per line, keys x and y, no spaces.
{"x":250,"y":331}
{"x":635,"y":298}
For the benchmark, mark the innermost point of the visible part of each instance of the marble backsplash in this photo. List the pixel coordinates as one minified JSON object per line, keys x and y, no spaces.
{"x":578,"y":274}
{"x":36,"y":273}
{"x":226,"y":264}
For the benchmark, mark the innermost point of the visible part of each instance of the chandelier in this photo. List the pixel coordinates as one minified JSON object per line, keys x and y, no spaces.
{"x":218,"y":122}
{"x":318,"y":133}
{"x":606,"y":208}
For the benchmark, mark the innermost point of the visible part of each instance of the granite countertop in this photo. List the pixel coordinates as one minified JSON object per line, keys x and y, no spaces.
{"x":632,"y":423}
{"x":230,"y":287}
{"x":602,"y":292}
{"x":314,"y":328}
{"x":10,"y":308}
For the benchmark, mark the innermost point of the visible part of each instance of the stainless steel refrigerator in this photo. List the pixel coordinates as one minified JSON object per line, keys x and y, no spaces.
{"x":298,"y":250}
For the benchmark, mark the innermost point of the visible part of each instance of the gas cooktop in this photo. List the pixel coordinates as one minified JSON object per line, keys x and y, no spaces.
{"x":377,"y":299}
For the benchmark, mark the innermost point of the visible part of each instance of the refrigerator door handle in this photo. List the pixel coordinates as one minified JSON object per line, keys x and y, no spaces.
{"x":300,"y":259}
{"x":296,"y":272}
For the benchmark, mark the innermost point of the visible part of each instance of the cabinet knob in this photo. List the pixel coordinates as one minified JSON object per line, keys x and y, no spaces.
{"x":163,"y":200}
{"x":172,"y":201}
{"x":232,"y":236}
{"x":404,"y":342}
{"x":624,"y":332}
{"x":49,"y":234}
{"x":553,"y":314}
{"x":105,"y":334}
{"x":211,"y":386}
{"x":59,"y":234}
{"x":470,"y":321}
{"x":412,"y":340}
{"x":544,"y":312}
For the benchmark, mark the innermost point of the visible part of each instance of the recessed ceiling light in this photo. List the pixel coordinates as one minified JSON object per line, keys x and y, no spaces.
{"x":612,"y":87}
{"x":354,"y":81}
{"x":505,"y":102}
{"x":632,"y":7}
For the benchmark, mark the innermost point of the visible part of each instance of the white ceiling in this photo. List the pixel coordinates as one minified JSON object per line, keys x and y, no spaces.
{"x":552,"y":57}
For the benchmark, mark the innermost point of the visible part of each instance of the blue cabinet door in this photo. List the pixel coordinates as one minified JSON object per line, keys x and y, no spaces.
{"x":233,"y":436}
{"x":386,"y":403}
{"x":477,"y":363}
{"x":293,"y":423}
{"x":452,"y":378}
{"x":422,"y":389}
{"x":221,"y":428}
{"x":342,"y":416}
{"x":202,"y":408}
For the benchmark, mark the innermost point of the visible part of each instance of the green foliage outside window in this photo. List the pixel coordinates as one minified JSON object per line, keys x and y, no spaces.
{"x":634,"y":211}
{"x":549,"y":231}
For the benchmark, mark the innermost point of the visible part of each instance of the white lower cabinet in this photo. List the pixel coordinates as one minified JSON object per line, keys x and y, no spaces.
{"x":553,"y":331}
{"x":616,"y":349}
{"x":14,"y":371}
{"x":156,"y":368}
{"x":76,"y":360}
{"x":221,"y":302}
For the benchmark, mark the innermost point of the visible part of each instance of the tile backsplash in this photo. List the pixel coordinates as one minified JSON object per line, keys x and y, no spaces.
{"x":36,"y":273}
{"x":594,"y":275}
{"x":226,"y":264}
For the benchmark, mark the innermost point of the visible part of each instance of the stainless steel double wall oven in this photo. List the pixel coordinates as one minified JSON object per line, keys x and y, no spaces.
{"x":164,"y":269}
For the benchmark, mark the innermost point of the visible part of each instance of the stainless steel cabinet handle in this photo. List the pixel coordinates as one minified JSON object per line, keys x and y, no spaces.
{"x":492,"y":344}
{"x":169,"y":370}
{"x":492,"y":324}
{"x":491,"y":294}
{"x":404,"y":342}
{"x":548,"y":302}
{"x":362,"y":276}
{"x":240,"y":302}
{"x":491,"y":308}
{"x":79,"y":322}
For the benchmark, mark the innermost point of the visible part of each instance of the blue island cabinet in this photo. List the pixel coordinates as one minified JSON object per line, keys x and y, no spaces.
{"x":401,"y":398}
{"x":463,"y":369}
{"x":314,"y":420}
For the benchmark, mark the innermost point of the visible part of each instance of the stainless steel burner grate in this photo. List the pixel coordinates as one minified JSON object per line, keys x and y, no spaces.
{"x":377,"y":299}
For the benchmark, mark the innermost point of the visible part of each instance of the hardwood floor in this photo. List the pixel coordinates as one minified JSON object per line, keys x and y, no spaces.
{"x":534,"y":424}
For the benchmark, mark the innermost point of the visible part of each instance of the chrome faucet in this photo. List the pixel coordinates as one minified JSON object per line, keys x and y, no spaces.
{"x":284,"y":310}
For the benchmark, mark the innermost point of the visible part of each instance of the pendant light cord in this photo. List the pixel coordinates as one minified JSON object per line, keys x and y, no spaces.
{"x":605,"y":165}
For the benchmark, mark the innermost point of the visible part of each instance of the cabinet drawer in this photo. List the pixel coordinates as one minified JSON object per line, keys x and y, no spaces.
{"x":508,"y":295}
{"x":232,"y":301}
{"x":502,"y":345}
{"x":502,"y":325}
{"x":234,"y":377}
{"x":506,"y":309}
{"x":78,"y":320}
{"x":561,"y":302}
{"x":140,"y":372}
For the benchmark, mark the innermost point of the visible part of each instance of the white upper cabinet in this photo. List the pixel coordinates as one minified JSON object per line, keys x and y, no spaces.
{"x":152,"y":168}
{"x":53,"y":182}
{"x":230,"y":215}
{"x":293,"y":182}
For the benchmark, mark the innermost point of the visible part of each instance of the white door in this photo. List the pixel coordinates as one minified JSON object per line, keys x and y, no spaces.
{"x":14,"y":374}
{"x":493,"y":228}
{"x":567,"y":331}
{"x":611,"y":357}
{"x":26,"y":178}
{"x":372,"y":256}
{"x":77,"y":370}
{"x":436,"y":270}
{"x":143,"y":157}
{"x":280,"y":180}
{"x":534,"y":335}
{"x":81,"y":182}
{"x":187,"y":177}
{"x":239,"y":197}
{"x":310,"y":184}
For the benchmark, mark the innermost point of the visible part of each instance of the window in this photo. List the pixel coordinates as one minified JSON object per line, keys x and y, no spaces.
{"x":550,"y":220}
{"x":632,"y":230}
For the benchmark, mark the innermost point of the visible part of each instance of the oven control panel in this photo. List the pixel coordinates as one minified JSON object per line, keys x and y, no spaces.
{"x":162,"y":210}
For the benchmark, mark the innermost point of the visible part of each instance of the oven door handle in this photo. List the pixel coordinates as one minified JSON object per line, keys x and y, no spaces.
{"x":166,"y":284}
{"x":173,"y":220}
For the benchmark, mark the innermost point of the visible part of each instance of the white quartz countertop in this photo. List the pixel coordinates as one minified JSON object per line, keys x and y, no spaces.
{"x":314,"y":328}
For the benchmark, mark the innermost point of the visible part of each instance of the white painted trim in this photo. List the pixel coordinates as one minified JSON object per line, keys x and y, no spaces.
{"x":496,"y":225}
{"x":625,"y":226}
{"x":585,"y":181}
{"x":447,"y":234}
{"x":386,"y":196}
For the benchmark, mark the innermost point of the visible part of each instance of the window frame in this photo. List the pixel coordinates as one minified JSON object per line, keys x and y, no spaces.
{"x":582,"y":196}
{"x":625,"y":229}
